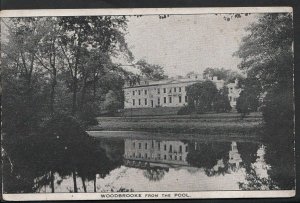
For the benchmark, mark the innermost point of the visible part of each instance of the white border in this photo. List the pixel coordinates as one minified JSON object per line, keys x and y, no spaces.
{"x":143,"y":195}
{"x":141,"y":11}
{"x":160,"y":195}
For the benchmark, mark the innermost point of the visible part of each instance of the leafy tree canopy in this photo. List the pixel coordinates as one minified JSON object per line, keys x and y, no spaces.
{"x":227,"y":75}
{"x":201,"y":95}
{"x":151,"y":71}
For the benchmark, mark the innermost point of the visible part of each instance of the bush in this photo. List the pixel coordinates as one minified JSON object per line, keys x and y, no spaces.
{"x":247,"y":102}
{"x":185,"y":110}
{"x":63,"y":126}
{"x":221,"y":102}
{"x":88,"y":114}
{"x":278,"y":109}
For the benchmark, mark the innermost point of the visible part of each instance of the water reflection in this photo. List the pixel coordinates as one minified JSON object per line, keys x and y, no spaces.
{"x":127,"y":164}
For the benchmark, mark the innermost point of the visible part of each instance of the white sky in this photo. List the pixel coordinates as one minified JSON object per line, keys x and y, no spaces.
{"x":184,"y":43}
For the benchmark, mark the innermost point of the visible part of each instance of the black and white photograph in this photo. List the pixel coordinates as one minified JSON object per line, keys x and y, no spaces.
{"x":148,"y":103}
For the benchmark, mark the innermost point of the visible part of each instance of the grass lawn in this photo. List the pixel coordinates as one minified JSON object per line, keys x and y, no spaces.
{"x":212,"y":124}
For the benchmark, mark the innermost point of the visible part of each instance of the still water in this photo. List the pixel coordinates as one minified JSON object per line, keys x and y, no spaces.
{"x":128,"y":163}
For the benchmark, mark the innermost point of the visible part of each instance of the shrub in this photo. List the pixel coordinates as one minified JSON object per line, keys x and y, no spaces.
{"x":278,"y":109}
{"x":63,"y":126}
{"x":87,"y":115}
{"x":247,"y":102}
{"x":185,"y":110}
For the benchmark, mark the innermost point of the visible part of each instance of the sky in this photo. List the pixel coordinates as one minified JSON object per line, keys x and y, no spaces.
{"x":184,"y":43}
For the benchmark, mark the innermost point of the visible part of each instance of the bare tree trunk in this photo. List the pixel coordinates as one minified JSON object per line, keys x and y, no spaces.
{"x":54,"y":81}
{"x":52,"y":181}
{"x":52,"y":93}
{"x":95,"y":184}
{"x":74,"y":181}
{"x":83,"y":93}
{"x":74,"y":97}
{"x":83,"y":183}
{"x":75,"y":82}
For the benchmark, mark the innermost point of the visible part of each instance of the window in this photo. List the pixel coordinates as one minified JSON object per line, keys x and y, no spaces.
{"x":139,"y":92}
{"x":158,"y":156}
{"x":139,"y":155}
{"x":174,"y":89}
{"x":158,"y":91}
{"x":170,"y":149}
{"x":170,"y":157}
{"x":180,"y":158}
{"x":165,"y":99}
{"x":179,"y":89}
{"x":146,"y":155}
{"x":179,"y":99}
{"x":175,"y":157}
{"x":165,"y":90}
{"x":180,"y":148}
{"x":152,"y":144}
{"x":158,"y":145}
{"x":146,"y":146}
{"x":145,"y":101}
{"x":133,"y":154}
{"x":140,"y":145}
{"x":165,"y":157}
{"x":158,"y":101}
{"x":170,"y":99}
{"x":186,"y":148}
{"x":185,"y":99}
{"x":165,"y":147}
{"x":145,"y":92}
{"x":139,"y":101}
{"x":133,"y":144}
{"x":133,"y":92}
{"x":170,"y":91}
{"x":133,"y":102}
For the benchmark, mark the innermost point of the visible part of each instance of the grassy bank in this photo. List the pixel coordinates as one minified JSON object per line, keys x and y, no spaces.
{"x":212,"y":124}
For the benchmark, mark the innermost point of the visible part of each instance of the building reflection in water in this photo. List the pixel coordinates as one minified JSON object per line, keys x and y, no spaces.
{"x":234,"y":157}
{"x":155,"y":153}
{"x":167,"y":154}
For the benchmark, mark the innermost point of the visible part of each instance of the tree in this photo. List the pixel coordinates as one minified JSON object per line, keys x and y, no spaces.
{"x":151,"y":71}
{"x":267,"y":56}
{"x":221,"y":102}
{"x":23,"y":84}
{"x":112,"y":102}
{"x":86,"y":33}
{"x":246,"y":103}
{"x":227,"y":75}
{"x":201,"y":96}
{"x":248,"y":100}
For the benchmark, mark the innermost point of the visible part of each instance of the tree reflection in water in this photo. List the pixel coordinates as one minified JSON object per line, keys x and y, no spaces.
{"x":279,"y":156}
{"x":208,"y":155}
{"x":155,"y":173}
{"x":37,"y":163}
{"x":32,"y":162}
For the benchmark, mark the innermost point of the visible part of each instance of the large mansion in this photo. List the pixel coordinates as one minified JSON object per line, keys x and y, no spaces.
{"x":169,"y":92}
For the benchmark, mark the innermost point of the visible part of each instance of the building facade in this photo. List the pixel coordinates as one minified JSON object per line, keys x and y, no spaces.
{"x":169,"y":92}
{"x":233,"y":93}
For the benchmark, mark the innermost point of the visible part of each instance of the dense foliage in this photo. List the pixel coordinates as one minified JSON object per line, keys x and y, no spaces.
{"x":60,"y":64}
{"x":204,"y":97}
{"x":267,"y":57}
{"x":227,"y":75}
